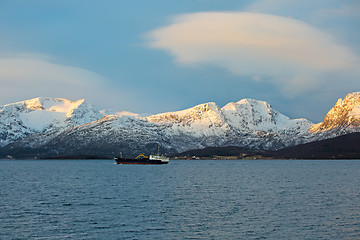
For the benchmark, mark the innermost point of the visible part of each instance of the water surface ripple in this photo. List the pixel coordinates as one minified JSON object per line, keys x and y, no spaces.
{"x":79,"y":199}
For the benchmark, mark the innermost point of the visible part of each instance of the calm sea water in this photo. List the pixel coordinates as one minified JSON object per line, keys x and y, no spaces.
{"x":76,"y":199}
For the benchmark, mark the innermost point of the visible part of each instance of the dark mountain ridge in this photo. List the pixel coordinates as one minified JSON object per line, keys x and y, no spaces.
{"x":342,"y":147}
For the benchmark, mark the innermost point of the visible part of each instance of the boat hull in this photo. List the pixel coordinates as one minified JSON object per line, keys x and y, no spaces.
{"x":147,"y":161}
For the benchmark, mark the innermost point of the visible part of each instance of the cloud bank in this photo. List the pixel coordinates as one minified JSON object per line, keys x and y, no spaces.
{"x":24,"y":76}
{"x":290,"y":53}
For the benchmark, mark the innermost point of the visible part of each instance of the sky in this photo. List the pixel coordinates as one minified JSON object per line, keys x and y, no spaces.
{"x":157,"y":56}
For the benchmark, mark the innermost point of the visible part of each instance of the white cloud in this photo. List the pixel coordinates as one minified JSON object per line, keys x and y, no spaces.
{"x":291,"y":53}
{"x":28,"y":75}
{"x":24,"y":76}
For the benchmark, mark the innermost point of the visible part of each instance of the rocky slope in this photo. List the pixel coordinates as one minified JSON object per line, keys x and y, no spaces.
{"x":343,"y":118}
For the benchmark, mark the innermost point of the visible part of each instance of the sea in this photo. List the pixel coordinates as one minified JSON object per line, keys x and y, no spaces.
{"x":185,"y":199}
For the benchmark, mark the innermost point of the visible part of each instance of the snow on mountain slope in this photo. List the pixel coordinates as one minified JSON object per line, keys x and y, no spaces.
{"x":249,"y":114}
{"x":207,"y":113}
{"x":246,"y":116}
{"x":106,"y":112}
{"x":247,"y":123}
{"x":201,"y":120}
{"x":59,"y":126}
{"x":107,"y":136}
{"x":18,"y":120}
{"x":343,"y":118}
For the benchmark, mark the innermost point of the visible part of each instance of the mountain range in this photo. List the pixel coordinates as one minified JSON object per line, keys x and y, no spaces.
{"x":48,"y":127}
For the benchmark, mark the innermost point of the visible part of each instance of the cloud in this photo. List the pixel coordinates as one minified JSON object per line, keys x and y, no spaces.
{"x":29,"y":75}
{"x":290,"y":53}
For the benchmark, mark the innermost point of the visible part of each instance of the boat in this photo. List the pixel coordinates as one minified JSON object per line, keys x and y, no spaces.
{"x":142,"y":159}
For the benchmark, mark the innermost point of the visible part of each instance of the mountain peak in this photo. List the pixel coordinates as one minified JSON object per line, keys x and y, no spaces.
{"x":43,"y":114}
{"x":51,"y":104}
{"x":259,"y":115}
{"x":249,"y":101}
{"x":352,"y":95}
{"x":34,"y":104}
{"x":201,"y":111}
{"x":344,"y":115}
{"x":210,"y":106}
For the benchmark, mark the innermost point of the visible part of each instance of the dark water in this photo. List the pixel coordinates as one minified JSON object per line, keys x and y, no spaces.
{"x":62,"y":199}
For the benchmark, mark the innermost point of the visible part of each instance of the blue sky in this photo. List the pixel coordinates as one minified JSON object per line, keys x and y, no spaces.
{"x":157,"y":56}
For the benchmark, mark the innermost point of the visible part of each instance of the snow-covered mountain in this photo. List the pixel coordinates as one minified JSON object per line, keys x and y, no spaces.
{"x":21,"y":119}
{"x":246,"y":115}
{"x":59,"y":126}
{"x":343,"y":118}
{"x":248,"y":122}
{"x":53,"y":126}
